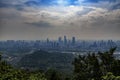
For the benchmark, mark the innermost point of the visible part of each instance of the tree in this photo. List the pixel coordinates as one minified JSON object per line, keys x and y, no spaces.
{"x":110,"y":76}
{"x":9,"y":73}
{"x":37,"y":76}
{"x":87,"y":67}
{"x":93,"y":66}
{"x":53,"y":75}
{"x":107,"y":60}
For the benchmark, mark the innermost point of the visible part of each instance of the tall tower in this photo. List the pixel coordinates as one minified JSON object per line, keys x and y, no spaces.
{"x":73,"y":40}
{"x":47,"y":40}
{"x":65,"y":40}
{"x":59,"y":40}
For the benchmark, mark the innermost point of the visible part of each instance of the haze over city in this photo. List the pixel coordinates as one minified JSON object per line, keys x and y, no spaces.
{"x":41,"y":19}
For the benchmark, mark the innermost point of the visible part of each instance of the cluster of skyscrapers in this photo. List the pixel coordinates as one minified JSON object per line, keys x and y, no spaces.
{"x":63,"y":41}
{"x":61,"y":44}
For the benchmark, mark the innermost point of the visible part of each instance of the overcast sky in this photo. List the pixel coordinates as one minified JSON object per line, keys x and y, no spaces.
{"x":41,"y":19}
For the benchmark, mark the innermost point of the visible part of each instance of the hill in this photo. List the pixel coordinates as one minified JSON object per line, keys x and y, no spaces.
{"x":45,"y":60}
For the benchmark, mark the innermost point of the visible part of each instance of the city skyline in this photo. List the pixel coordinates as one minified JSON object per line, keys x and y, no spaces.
{"x":42,"y":19}
{"x":60,"y":44}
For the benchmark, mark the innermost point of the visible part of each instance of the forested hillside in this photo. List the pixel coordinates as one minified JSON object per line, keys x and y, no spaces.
{"x":103,"y":66}
{"x":45,"y":60}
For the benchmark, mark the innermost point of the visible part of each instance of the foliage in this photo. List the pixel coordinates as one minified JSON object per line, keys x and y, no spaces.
{"x":46,"y":60}
{"x":110,"y":76}
{"x":101,"y":66}
{"x":93,"y":66}
{"x":53,"y":75}
{"x":37,"y":76}
{"x":9,"y":73}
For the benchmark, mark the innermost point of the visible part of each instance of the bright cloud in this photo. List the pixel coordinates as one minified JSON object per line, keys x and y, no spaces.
{"x":87,"y":19}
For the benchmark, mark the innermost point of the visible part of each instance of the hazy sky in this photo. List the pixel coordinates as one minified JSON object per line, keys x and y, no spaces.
{"x":40,"y":19}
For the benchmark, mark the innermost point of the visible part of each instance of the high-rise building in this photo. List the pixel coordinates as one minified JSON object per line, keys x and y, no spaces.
{"x":65,"y":40}
{"x":59,"y":40}
{"x":48,"y":40}
{"x":73,"y":40}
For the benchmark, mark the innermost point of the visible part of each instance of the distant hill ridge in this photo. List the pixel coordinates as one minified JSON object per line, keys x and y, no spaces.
{"x":46,"y":60}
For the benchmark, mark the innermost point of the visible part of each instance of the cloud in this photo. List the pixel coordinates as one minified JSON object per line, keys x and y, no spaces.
{"x":78,"y":16}
{"x":116,"y":6}
{"x":40,"y":24}
{"x":21,"y":4}
{"x":87,"y":19}
{"x":108,"y":4}
{"x":96,"y":1}
{"x":32,"y":3}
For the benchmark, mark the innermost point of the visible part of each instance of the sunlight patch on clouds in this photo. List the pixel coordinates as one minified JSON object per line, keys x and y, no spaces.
{"x":53,"y":13}
{"x":88,"y":20}
{"x":62,"y":16}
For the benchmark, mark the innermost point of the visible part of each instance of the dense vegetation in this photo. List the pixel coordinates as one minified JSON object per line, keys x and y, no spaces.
{"x":93,"y":66}
{"x":7,"y":72}
{"x":101,"y":66}
{"x":45,"y":60}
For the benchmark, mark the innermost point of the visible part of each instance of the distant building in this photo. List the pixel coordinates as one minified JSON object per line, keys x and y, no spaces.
{"x":59,"y":40}
{"x":65,"y":40}
{"x":48,"y":40}
{"x":73,"y":40}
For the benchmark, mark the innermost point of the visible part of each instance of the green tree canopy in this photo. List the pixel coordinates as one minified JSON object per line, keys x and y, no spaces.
{"x":93,"y":66}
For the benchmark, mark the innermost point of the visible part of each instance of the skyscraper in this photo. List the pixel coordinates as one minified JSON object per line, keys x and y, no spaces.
{"x":65,"y":40}
{"x":48,"y":40}
{"x":73,"y":40}
{"x":59,"y":40}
